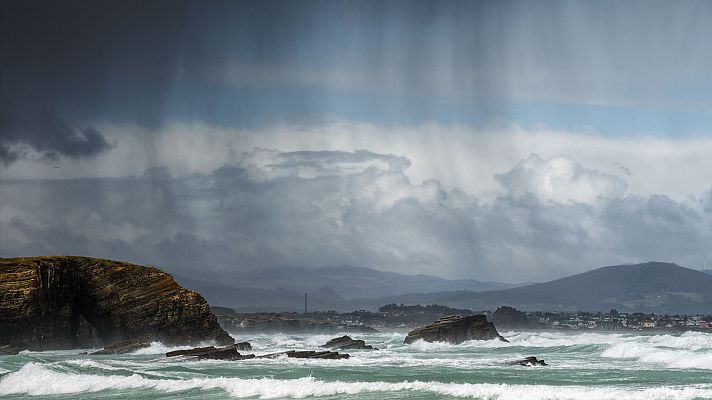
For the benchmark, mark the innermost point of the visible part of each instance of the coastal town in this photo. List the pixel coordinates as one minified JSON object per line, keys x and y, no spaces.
{"x":395,"y":317}
{"x":608,"y":321}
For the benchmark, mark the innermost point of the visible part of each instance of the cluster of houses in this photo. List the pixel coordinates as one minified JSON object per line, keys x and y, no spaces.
{"x":400,"y":316}
{"x":615,"y":321}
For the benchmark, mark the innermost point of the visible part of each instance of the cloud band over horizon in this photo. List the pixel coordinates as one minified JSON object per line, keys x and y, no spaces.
{"x":552,"y":217}
{"x":494,"y":140}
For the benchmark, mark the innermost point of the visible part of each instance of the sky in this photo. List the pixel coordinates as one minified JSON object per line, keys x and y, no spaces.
{"x":496,"y":140}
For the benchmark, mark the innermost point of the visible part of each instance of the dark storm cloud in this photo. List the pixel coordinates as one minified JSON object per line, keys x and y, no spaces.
{"x":67,"y":63}
{"x":246,"y":63}
{"x":332,"y":208}
{"x":34,"y":125}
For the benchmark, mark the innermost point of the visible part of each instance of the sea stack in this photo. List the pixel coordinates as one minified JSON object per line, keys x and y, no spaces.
{"x":455,"y":329}
{"x":51,"y":303}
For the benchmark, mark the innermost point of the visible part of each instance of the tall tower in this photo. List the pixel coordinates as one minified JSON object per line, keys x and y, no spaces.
{"x":305,"y":303}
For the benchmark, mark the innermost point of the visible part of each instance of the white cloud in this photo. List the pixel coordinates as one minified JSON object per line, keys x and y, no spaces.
{"x":560,"y":179}
{"x":552,"y":217}
{"x":456,"y":156}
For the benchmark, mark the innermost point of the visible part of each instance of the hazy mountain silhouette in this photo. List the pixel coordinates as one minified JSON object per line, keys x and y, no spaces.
{"x":649,"y":287}
{"x":267,"y":300}
{"x":351,"y":282}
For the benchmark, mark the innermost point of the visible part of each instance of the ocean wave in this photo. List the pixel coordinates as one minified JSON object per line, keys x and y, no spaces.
{"x":160,"y":348}
{"x":92,"y":364}
{"x":687,"y":341}
{"x":388,"y":359}
{"x":556,"y":339}
{"x":422,"y":345}
{"x":25,"y":381}
{"x":670,"y":358}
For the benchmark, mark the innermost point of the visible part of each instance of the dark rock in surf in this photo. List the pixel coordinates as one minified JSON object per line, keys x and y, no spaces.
{"x":243,"y":346}
{"x":346,"y":342}
{"x":455,"y":330}
{"x":229,"y":353}
{"x":327,"y":355}
{"x":529,"y":362}
{"x":125,"y":347}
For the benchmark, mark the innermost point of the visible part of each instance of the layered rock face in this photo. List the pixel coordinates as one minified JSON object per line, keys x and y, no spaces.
{"x":455,"y":330}
{"x":51,"y":303}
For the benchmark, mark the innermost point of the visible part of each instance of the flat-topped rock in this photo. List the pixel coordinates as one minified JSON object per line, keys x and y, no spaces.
{"x":53,"y":303}
{"x":455,"y":329}
{"x":211,"y":353}
{"x":346,"y":342}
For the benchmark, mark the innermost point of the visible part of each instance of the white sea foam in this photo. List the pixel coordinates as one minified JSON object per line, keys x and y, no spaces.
{"x":116,"y":365}
{"x":528,"y":339}
{"x":557,"y":339}
{"x":388,"y":359}
{"x":25,"y":381}
{"x":670,"y":358}
{"x":92,"y":364}
{"x":689,"y":350}
{"x":687,"y":341}
{"x":160,"y":348}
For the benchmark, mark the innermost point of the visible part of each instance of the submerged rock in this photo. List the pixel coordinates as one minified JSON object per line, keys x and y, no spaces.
{"x":346,"y":342}
{"x":128,"y":346}
{"x":529,"y":362}
{"x":455,"y":330}
{"x":329,"y":355}
{"x":51,"y":303}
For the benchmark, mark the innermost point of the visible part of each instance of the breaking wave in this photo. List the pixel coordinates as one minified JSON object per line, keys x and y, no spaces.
{"x":24,"y":381}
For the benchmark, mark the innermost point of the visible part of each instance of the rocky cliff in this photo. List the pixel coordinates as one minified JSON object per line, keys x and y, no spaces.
{"x":456,"y":329}
{"x":71,"y":302}
{"x":511,"y":318}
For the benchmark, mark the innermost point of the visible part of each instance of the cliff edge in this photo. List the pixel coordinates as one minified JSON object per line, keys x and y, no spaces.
{"x":51,"y":303}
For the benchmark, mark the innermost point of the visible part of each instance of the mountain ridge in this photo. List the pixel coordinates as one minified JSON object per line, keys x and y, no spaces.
{"x":350,"y":282}
{"x":645,"y":287}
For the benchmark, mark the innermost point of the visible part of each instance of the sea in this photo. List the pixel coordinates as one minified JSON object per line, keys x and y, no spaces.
{"x":582,"y":365}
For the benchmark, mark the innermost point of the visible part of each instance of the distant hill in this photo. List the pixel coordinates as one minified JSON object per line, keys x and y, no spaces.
{"x":264,"y":300}
{"x":707,"y":271}
{"x":351,"y":282}
{"x":649,"y":287}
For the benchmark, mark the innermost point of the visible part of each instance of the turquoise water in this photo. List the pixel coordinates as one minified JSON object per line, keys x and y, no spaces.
{"x":582,"y":366}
